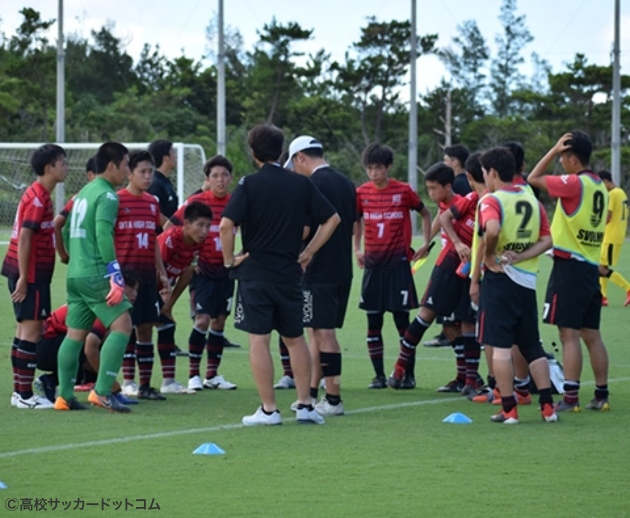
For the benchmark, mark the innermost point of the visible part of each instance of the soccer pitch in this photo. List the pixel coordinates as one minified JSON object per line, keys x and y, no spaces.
{"x":390,"y":455}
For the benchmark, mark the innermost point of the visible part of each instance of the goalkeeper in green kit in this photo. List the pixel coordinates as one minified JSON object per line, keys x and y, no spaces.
{"x":95,"y":285}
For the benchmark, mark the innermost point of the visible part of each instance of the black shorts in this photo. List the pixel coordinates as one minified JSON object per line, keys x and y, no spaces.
{"x":36,"y":305}
{"x":47,"y":351}
{"x":325,"y":304}
{"x":390,"y":289}
{"x":573,"y":299}
{"x":148,"y":305}
{"x":509,"y":313}
{"x":211,"y":296}
{"x":262,"y":306}
{"x":447,"y":295}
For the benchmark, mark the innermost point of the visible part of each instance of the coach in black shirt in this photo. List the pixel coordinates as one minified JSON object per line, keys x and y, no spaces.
{"x":165,"y":158}
{"x":272,"y":207}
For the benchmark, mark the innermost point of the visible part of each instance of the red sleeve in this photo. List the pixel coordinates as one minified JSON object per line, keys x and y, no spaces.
{"x":178,"y":217}
{"x":461,"y":207}
{"x":33,"y":213}
{"x":565,"y":186}
{"x":545,"y":230}
{"x":65,"y":212}
{"x":415,"y":202}
{"x":489,"y":209}
{"x":164,"y":239}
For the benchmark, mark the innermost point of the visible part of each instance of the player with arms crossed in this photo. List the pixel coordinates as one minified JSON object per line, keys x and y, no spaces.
{"x":95,"y":285}
{"x":516,"y":231}
{"x":383,"y":206}
{"x":574,"y":301}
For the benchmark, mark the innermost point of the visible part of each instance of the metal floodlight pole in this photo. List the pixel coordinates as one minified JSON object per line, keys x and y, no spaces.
{"x":61,"y":115}
{"x":616,"y":112}
{"x":221,"y":135}
{"x":412,"y":170}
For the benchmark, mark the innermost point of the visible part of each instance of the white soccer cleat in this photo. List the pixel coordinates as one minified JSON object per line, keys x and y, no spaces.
{"x":34,"y":403}
{"x":194,"y":383}
{"x":322,"y":384}
{"x":175,"y":387}
{"x":325,"y":408}
{"x":14,"y":398}
{"x":219,"y":382}
{"x":259,"y":418}
{"x":294,"y":405}
{"x":286,"y":382}
{"x":129,"y":389}
{"x":306,"y":416}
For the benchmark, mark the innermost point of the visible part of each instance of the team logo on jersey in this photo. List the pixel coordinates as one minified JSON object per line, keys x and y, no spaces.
{"x":565,"y":179}
{"x":307,"y":306}
{"x":112,"y":196}
{"x":153,"y":209}
{"x":127,"y":210}
{"x":37,"y":203}
{"x":483,"y":206}
{"x":169,"y":242}
{"x":397,"y":199}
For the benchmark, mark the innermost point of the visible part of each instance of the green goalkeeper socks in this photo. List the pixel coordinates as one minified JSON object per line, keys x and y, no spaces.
{"x":68,"y":364}
{"x":112,"y":354}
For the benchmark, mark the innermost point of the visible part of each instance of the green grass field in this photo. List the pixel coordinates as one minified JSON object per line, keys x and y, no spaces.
{"x":391,"y":455}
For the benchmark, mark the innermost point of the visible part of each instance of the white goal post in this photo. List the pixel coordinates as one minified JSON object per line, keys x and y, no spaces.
{"x":16,"y":173}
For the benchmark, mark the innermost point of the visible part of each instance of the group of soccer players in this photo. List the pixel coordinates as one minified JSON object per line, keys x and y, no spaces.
{"x":132,"y":252}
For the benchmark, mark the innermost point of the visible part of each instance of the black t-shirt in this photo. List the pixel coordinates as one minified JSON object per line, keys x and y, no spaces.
{"x":272,"y":207}
{"x":333,"y":261}
{"x":461,"y":185}
{"x":163,"y":189}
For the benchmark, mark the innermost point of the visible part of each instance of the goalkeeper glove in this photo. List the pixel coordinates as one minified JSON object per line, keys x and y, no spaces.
{"x":117,"y":284}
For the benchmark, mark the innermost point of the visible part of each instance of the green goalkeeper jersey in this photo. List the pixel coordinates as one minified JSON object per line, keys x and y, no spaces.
{"x":90,"y":230}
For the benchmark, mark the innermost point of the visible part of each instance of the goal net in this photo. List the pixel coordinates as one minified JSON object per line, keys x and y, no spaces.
{"x":16,"y":174}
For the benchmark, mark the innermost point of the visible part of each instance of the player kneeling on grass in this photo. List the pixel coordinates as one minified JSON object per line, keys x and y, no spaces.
{"x":180,"y":247}
{"x":516,"y":231}
{"x":55,"y":330}
{"x":95,"y":285}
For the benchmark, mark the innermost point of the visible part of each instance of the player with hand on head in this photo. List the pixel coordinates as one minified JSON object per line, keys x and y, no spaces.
{"x":95,"y":285}
{"x":573,"y":301}
{"x":28,"y":266}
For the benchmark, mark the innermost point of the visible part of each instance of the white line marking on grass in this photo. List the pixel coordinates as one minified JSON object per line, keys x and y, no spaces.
{"x":175,"y":433}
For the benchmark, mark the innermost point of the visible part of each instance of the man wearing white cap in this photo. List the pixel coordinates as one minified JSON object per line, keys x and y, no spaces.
{"x":328,"y":277}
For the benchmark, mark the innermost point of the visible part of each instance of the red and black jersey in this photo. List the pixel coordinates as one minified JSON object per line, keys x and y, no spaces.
{"x":387,"y":222}
{"x":136,"y":233}
{"x":55,"y":324}
{"x":463,"y":209}
{"x":35,"y":212}
{"x":176,"y":254}
{"x":65,"y":212}
{"x":211,"y":255}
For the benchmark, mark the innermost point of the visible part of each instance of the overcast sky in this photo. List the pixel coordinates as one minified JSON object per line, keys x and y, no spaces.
{"x":561,"y":28}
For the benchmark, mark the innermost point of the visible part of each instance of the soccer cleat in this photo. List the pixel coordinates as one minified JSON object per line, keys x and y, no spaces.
{"x":179,"y":352}
{"x":452,"y":386}
{"x":146,"y":392}
{"x":523,"y":400}
{"x":124,"y":399}
{"x":604,"y":301}
{"x":261,"y":418}
{"x":486,"y":395}
{"x":195,"y":383}
{"x":73,"y":404}
{"x":14,"y":398}
{"x":35,"y":402}
{"x":563,"y":406}
{"x":286,"y":382}
{"x":601,"y":405}
{"x":325,"y":408}
{"x":109,"y":402}
{"x":45,"y":388}
{"x":548,"y":413}
{"x":408,"y":383}
{"x":294,"y":405}
{"x":227,"y":343}
{"x":437,"y":341}
{"x":627,"y":302}
{"x":469,"y":390}
{"x":219,"y":382}
{"x":175,"y":387}
{"x":85,"y":387}
{"x":510,"y":417}
{"x":129,"y":388}
{"x":396,"y":378}
{"x":308,"y":416}
{"x":379,"y":382}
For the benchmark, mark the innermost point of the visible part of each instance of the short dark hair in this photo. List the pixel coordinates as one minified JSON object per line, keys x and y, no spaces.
{"x":458,"y":151}
{"x":45,"y":155}
{"x":130,"y":276}
{"x":313,"y":152}
{"x":440,"y":173}
{"x":502,"y":161}
{"x":377,"y":153}
{"x":580,"y":146}
{"x":473,"y":166}
{"x":159,"y":149}
{"x":605,"y":175}
{"x":195,"y":210}
{"x":517,"y":149}
{"x":109,"y":152}
{"x":90,"y":165}
{"x":137,"y":156}
{"x":265,"y":142}
{"x":217,"y":160}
